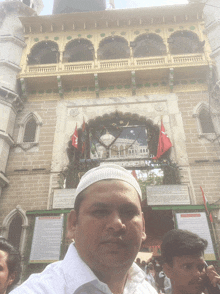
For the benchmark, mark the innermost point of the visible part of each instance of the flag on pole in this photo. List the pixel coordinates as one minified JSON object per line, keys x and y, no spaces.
{"x":84,"y":125}
{"x":134,"y":174}
{"x":206,"y":205}
{"x":75,"y":138}
{"x":83,"y":136}
{"x":164,"y":143}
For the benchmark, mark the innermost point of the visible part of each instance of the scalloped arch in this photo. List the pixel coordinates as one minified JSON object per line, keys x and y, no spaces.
{"x":44,"y":41}
{"x":112,"y":37}
{"x":77,"y":39}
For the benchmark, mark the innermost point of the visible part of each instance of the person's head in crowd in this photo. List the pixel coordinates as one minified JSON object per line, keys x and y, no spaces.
{"x":183,"y":257}
{"x":107,"y":222}
{"x":10,"y":266}
{"x":138,"y":261}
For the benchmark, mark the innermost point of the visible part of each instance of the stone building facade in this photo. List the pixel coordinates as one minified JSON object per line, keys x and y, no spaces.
{"x":110,"y":71}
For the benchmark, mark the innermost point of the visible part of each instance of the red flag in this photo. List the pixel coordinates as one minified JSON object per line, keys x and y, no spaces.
{"x":134,"y":174}
{"x":164,"y":143}
{"x":84,"y":125}
{"x":83,"y":147}
{"x":83,"y":136}
{"x":75,"y":138}
{"x":205,"y":201}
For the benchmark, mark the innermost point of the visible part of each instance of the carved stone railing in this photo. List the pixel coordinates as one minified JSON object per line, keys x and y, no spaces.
{"x":79,"y":66}
{"x":183,"y":60}
{"x":42,"y":68}
{"x":150,"y":61}
{"x":190,"y":58}
{"x":116,"y":63}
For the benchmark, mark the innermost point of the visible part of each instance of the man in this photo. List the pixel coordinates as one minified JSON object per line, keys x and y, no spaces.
{"x":183,"y":257}
{"x":10,"y":266}
{"x":108,"y":228}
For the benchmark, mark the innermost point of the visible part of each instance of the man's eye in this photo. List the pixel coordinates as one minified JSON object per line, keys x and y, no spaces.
{"x":187,"y":266}
{"x":201,"y":267}
{"x":100,"y":212}
{"x":129,"y":212}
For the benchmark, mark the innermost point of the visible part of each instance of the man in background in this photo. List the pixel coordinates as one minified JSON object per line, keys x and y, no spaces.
{"x":183,"y":257}
{"x":10,"y":266}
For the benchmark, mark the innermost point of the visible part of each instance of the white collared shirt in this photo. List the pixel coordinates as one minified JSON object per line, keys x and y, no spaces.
{"x":73,"y":276}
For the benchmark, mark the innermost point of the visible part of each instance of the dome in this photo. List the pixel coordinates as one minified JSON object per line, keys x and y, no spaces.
{"x":69,"y":6}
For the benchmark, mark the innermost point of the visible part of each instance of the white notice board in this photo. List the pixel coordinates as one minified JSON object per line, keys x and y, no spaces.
{"x":168,"y":195}
{"x":197,"y":223}
{"x":47,"y":238}
{"x":64,"y":198}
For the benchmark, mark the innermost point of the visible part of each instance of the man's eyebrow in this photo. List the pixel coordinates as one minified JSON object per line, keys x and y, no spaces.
{"x":101,"y":205}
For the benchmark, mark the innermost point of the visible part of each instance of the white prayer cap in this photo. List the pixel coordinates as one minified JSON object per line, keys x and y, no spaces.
{"x":106,"y":172}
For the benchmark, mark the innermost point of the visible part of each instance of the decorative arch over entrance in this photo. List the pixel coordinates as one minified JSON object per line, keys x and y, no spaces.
{"x":122,"y":138}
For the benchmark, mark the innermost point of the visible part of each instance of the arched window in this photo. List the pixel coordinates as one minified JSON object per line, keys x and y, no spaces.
{"x":30,"y":130}
{"x":113,"y":48}
{"x":79,"y":50}
{"x":44,"y":52}
{"x":15,"y":229}
{"x":148,"y":45}
{"x":206,"y":121}
{"x":185,"y":42}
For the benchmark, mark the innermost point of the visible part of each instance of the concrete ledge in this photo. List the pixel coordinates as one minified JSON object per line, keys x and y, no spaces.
{"x":6,"y":138}
{"x":3,"y":180}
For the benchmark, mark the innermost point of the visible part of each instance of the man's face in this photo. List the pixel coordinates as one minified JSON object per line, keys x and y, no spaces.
{"x":187,"y":274}
{"x":109,"y":229}
{"x":5,"y":280}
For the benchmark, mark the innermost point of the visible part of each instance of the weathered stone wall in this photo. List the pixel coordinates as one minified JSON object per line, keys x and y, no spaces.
{"x":29,"y":171}
{"x":205,"y":174}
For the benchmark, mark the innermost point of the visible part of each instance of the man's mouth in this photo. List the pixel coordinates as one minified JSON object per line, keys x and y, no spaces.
{"x":117,"y":241}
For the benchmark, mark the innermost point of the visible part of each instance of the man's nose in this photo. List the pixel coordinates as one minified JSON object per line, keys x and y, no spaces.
{"x":115,"y":222}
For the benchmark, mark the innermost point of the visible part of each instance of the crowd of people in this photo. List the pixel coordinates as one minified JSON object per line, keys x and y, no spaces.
{"x":155,"y":274}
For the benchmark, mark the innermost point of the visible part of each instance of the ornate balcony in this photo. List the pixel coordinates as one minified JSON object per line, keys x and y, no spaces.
{"x":146,"y":63}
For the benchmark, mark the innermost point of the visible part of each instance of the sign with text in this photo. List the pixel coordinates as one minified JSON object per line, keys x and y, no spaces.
{"x":64,"y":198}
{"x":47,"y":238}
{"x":197,"y":223}
{"x":168,"y":195}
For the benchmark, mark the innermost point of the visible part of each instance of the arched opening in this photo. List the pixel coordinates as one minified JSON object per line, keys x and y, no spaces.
{"x":30,"y":130}
{"x":113,"y":48}
{"x":15,"y":229}
{"x":148,"y":45}
{"x":206,"y":121}
{"x":79,"y":50}
{"x":45,"y":52}
{"x":185,"y":42}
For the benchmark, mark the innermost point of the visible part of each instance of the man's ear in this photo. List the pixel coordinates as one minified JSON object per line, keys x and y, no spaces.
{"x":11,"y":278}
{"x":71,"y":224}
{"x":168,"y":270}
{"x":144,"y":236}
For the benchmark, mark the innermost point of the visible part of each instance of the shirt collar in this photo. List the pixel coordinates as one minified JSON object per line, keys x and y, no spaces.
{"x":77,"y":273}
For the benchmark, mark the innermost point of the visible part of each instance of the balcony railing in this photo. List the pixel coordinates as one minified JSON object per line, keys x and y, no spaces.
{"x":116,"y":65}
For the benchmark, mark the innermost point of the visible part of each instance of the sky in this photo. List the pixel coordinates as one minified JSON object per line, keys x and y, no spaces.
{"x":48,"y":4}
